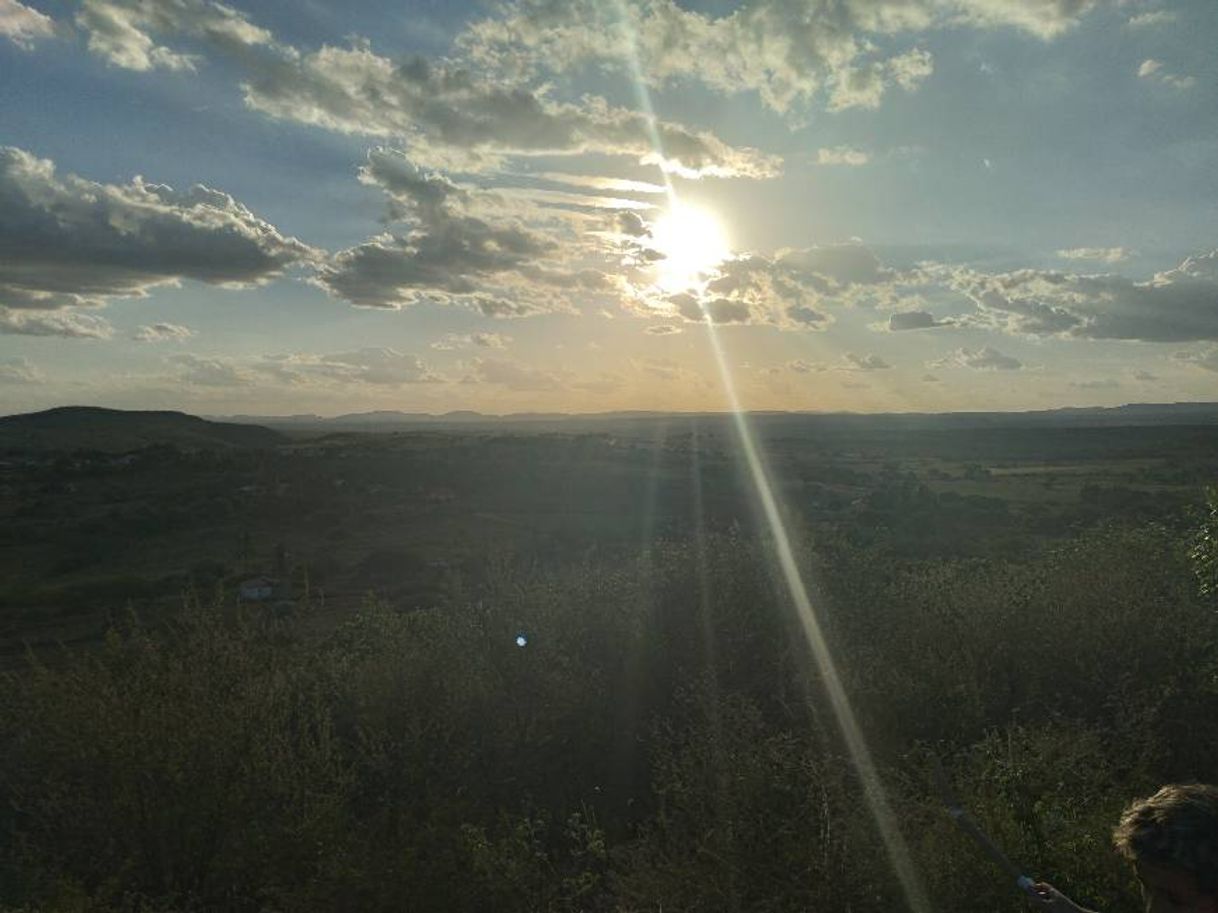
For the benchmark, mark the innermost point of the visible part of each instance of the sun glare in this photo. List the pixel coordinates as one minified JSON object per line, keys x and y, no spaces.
{"x":692,"y":241}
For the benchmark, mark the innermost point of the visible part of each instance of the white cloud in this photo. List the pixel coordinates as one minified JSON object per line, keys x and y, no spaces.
{"x":67,"y":323}
{"x":18,"y":371}
{"x":450,"y":115}
{"x":1151,"y":19}
{"x":516,"y":376}
{"x":121,"y":31}
{"x":915,"y":320}
{"x":870,"y":362}
{"x":370,"y":365}
{"x":209,"y":371}
{"x":984,"y":359}
{"x":452,"y":341}
{"x":1178,"y":305}
{"x":1207,"y":359}
{"x":1103,"y":254}
{"x":792,"y":53}
{"x":23,"y":25}
{"x":66,"y":241}
{"x":1152,"y":70}
{"x":163,"y":332}
{"x":841,"y":155}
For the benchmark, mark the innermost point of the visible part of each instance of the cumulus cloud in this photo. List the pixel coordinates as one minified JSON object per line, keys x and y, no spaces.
{"x":662,"y":329}
{"x":1151,"y":19}
{"x":371,"y":365}
{"x":870,"y":362}
{"x":1153,"y":71}
{"x":1178,"y":305}
{"x":451,"y":115}
{"x":791,"y":289}
{"x":452,"y":341}
{"x":122,"y":31}
{"x":984,"y":359}
{"x":914,"y":320}
{"x":70,"y":324}
{"x":1206,"y":359}
{"x":209,"y":371}
{"x":841,"y":155}
{"x":792,"y":53}
{"x":22,"y":25}
{"x":515,"y":376}
{"x":1103,"y":254}
{"x":163,"y":332}
{"x":18,"y":371}
{"x":66,"y":241}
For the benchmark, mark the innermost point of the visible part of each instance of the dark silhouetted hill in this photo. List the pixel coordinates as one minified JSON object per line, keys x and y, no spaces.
{"x":118,"y":431}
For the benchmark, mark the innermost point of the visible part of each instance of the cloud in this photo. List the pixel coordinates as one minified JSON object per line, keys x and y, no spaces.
{"x":452,"y":341}
{"x":68,"y":324}
{"x":22,"y":25}
{"x":162,"y":332}
{"x":841,"y":155}
{"x":120,"y":31}
{"x":1207,"y":359}
{"x":914,"y":320}
{"x":662,"y":329}
{"x":1145,"y":376}
{"x":983,"y":359}
{"x":449,"y":114}
{"x":1101,"y":384}
{"x":1103,"y":254}
{"x":606,"y":382}
{"x":791,"y":53}
{"x":790,"y":289}
{"x":854,"y":362}
{"x":930,"y":379}
{"x":371,"y":365}
{"x":66,"y":241}
{"x":1178,"y":305}
{"x":1152,"y":70}
{"x":515,"y":376}
{"x":209,"y":371}
{"x":1151,"y":19}
{"x":18,"y":371}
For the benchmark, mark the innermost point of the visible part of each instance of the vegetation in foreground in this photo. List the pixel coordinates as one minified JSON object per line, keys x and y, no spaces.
{"x":659,"y":742}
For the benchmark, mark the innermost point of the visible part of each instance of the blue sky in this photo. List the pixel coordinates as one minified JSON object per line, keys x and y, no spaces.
{"x":875,"y":204}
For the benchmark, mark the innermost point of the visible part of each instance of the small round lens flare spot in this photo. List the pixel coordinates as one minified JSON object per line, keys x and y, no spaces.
{"x":522,"y":639}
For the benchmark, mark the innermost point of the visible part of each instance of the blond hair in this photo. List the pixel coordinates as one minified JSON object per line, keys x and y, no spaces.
{"x":1175,"y":828}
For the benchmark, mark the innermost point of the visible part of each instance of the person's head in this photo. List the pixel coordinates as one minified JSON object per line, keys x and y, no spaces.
{"x":1172,"y":840}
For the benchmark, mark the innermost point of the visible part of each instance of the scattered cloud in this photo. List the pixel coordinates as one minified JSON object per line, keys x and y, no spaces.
{"x":1172,"y":306}
{"x":69,"y":324}
{"x":163,"y":332}
{"x":516,"y":376}
{"x":66,"y":241}
{"x":209,"y":371}
{"x":791,"y":54}
{"x":914,"y":320}
{"x":841,"y":155}
{"x":662,"y":329}
{"x":372,"y":365}
{"x":18,"y":371}
{"x":1151,"y":19}
{"x":472,"y":340}
{"x":1152,"y":70}
{"x":1103,"y":254}
{"x":1206,"y":359}
{"x":22,"y":25}
{"x":854,"y":362}
{"x":983,"y":359}
{"x":931,"y":379}
{"x":1099,"y":384}
{"x":1145,"y":376}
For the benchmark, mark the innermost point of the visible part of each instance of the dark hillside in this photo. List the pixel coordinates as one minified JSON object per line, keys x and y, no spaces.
{"x":119,"y":431}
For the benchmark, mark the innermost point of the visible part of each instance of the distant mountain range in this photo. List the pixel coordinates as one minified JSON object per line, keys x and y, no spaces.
{"x":118,"y":431}
{"x":1133,"y":414}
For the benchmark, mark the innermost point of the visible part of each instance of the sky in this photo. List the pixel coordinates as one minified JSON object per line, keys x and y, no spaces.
{"x":298,"y":206}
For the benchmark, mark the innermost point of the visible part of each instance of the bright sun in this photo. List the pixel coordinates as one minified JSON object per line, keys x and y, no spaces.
{"x":692,"y":242}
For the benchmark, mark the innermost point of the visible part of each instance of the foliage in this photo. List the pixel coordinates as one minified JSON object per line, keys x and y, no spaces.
{"x":660,"y":742}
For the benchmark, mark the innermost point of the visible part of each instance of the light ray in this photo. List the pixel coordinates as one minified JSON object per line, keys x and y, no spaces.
{"x":860,"y":755}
